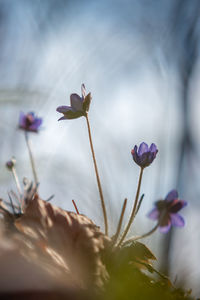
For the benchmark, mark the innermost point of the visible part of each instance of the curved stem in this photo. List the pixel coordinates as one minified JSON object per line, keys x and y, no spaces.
{"x":134,"y":208}
{"x":31,"y":157}
{"x":97,"y":177}
{"x":141,"y":236}
{"x":120,"y":222}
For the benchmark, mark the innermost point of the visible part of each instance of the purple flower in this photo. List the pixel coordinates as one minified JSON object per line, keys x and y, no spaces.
{"x":166,"y":212}
{"x":29,"y":122}
{"x":79,"y":106}
{"x":145,"y":155}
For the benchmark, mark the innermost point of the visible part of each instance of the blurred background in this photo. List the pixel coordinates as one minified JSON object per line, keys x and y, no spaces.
{"x":140,"y":61}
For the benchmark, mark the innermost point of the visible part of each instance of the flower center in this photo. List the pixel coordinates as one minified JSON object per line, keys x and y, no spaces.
{"x":29,"y":120}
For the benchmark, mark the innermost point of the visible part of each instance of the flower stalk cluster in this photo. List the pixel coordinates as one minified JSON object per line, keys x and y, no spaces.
{"x":70,"y":244}
{"x":143,"y":156}
{"x":165,"y":211}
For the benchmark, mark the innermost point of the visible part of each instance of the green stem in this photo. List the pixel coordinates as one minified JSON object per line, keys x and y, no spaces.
{"x":134,"y":208}
{"x":120,"y":222}
{"x":97,"y":177}
{"x":31,"y":157}
{"x":141,"y":236}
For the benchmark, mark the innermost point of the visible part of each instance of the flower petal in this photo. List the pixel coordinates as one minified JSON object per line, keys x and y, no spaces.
{"x":165,"y":229}
{"x":136,"y":158}
{"x":134,"y":151}
{"x":76,"y":102}
{"x":173,"y":194}
{"x":142,"y":148}
{"x":153,"y":148}
{"x":37,"y":123}
{"x":177,"y":220}
{"x":154,"y":214}
{"x":22,"y":120}
{"x":63,"y":109}
{"x":177,"y":205}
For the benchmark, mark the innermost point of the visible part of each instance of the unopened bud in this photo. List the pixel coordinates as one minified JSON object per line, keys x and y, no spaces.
{"x":11,"y":163}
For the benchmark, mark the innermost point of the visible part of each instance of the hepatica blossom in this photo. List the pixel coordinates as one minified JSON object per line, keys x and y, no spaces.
{"x":166,"y":212}
{"x":145,"y":155}
{"x":29,"y":122}
{"x":79,"y":106}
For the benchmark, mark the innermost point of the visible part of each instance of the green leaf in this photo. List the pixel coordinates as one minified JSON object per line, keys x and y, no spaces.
{"x":139,"y":251}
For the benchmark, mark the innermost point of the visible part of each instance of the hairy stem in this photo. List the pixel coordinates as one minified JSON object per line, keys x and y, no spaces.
{"x":133,"y":210}
{"x":31,"y":157}
{"x":97,"y":177}
{"x":16,"y":181}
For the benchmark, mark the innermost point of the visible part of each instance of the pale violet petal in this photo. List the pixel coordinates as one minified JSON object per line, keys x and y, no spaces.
{"x":177,"y":220}
{"x":165,"y":229}
{"x":63,"y":109}
{"x":154,"y":214}
{"x":76,"y":102}
{"x":173,"y":194}
{"x":143,"y":148}
{"x":153,"y":148}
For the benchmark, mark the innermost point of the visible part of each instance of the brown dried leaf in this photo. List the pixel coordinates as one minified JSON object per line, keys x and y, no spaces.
{"x":66,"y":243}
{"x":7,"y":216}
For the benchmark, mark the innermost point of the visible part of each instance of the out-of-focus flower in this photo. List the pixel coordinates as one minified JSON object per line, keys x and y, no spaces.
{"x":79,"y":106}
{"x":11,"y":163}
{"x":166,"y":212}
{"x":29,"y":122}
{"x":145,"y":155}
